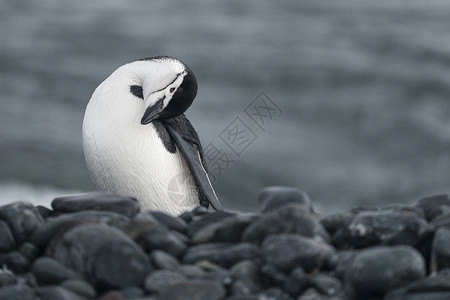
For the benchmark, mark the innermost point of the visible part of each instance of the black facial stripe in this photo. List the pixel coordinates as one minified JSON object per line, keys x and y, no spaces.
{"x":136,"y":90}
{"x":178,"y":75}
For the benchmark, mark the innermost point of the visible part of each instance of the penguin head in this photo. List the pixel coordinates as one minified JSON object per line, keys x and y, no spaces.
{"x":168,"y":87}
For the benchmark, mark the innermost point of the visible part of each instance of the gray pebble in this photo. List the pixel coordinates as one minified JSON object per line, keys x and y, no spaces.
{"x":161,"y":238}
{"x":49,"y":271}
{"x":80,"y":287}
{"x":440,"y":258}
{"x":57,"y":293}
{"x":274,"y":197}
{"x":23,"y":219}
{"x":17,"y":292}
{"x":158,"y":281}
{"x":194,"y":290}
{"x":7,"y":277}
{"x":7,"y":241}
{"x":296,"y":282}
{"x":326,"y":284}
{"x":163,"y":260}
{"x":434,"y":206}
{"x":247,"y":272}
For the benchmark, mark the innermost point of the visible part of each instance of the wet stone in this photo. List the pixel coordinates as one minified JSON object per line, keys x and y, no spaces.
{"x":120,"y":263}
{"x":112,"y":295}
{"x":247,"y":272}
{"x":434,"y":206}
{"x":23,"y":219}
{"x":49,"y":271}
{"x":141,"y":223}
{"x":273,"y":197}
{"x":205,"y":221}
{"x":161,"y":238}
{"x":59,"y":293}
{"x":132,"y":292}
{"x":441,"y":249}
{"x":190,"y":271}
{"x":14,"y":261}
{"x":230,"y":229}
{"x":381,"y":228}
{"x":224,"y":255}
{"x":98,"y":200}
{"x":158,"y":281}
{"x":53,"y":225}
{"x":79,"y":287}
{"x":163,"y":260}
{"x":29,"y":250}
{"x":17,"y":292}
{"x":7,"y":278}
{"x":7,"y":242}
{"x":287,"y":219}
{"x":76,"y":249}
{"x":173,"y":223}
{"x":221,"y":275}
{"x":44,"y":211}
{"x":288,"y":251}
{"x":271,"y":276}
{"x":296,"y":282}
{"x":376,"y":270}
{"x":332,"y":223}
{"x":195,"y":290}
{"x":326,"y":284}
{"x":274,"y":293}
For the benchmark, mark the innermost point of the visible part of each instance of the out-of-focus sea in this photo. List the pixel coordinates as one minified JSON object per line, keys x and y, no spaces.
{"x":364,"y":89}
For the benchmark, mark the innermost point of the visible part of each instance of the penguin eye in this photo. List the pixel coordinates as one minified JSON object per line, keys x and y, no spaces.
{"x":172,"y":90}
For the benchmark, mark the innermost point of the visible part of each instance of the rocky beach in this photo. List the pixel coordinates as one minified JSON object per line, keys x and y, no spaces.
{"x":102,"y":246}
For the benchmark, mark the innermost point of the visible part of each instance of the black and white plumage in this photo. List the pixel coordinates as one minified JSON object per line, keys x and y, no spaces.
{"x":137,"y":141}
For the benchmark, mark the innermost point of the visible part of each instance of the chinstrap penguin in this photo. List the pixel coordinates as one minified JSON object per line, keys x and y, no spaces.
{"x":137,"y":141}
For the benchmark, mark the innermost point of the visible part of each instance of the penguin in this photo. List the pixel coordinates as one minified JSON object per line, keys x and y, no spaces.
{"x":138,"y":142}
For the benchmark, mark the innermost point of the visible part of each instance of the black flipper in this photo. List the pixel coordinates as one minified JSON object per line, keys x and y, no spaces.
{"x":186,"y":138}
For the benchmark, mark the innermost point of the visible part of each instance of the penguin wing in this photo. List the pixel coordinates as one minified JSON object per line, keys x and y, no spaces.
{"x":186,"y":138}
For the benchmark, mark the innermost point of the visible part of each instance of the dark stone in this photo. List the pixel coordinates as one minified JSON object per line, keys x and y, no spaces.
{"x":274,"y":293}
{"x":289,"y":251}
{"x":29,"y":250}
{"x":440,"y":258}
{"x":326,"y":284}
{"x":194,"y":214}
{"x":161,"y":238}
{"x":113,"y":295}
{"x":434,"y":206}
{"x":45,"y":212}
{"x":247,"y":273}
{"x":132,"y":292}
{"x":163,"y":260}
{"x":17,"y":292}
{"x":381,"y":228}
{"x":23,"y":219}
{"x":54,"y":225}
{"x":79,"y":287}
{"x":158,"y":281}
{"x":206,"y":220}
{"x":271,"y":276}
{"x":49,"y":271}
{"x":7,"y":242}
{"x":141,"y":223}
{"x":296,"y":282}
{"x":287,"y":219}
{"x":194,"y":290}
{"x":97,"y":200}
{"x":340,"y":261}
{"x":332,"y":223}
{"x":230,"y":229}
{"x":15,"y":261}
{"x":222,"y":254}
{"x":220,"y":275}
{"x":273,"y":197}
{"x":7,"y":278}
{"x":76,"y":249}
{"x":191,"y":271}
{"x":376,"y":270}
{"x":174,"y":223}
{"x":57,"y":293}
{"x":120,"y":263}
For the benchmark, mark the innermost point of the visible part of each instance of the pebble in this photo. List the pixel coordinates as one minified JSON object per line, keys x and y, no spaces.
{"x":289,"y":251}
{"x":274,"y":197}
{"x":291,"y":218}
{"x":49,"y":271}
{"x":98,"y":200}
{"x":194,"y":290}
{"x":224,"y":255}
{"x":120,"y":263}
{"x":376,"y":270}
{"x":23,"y":219}
{"x":283,"y":252}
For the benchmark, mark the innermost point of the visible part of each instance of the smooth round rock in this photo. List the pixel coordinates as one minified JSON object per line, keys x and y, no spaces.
{"x":434,"y":206}
{"x":382,"y":228}
{"x":190,"y":271}
{"x":247,"y":272}
{"x":291,"y":218}
{"x":132,"y":292}
{"x":7,"y":278}
{"x":288,"y":251}
{"x":206,"y":220}
{"x":49,"y":271}
{"x":230,"y":229}
{"x":158,"y":281}
{"x":273,"y":197}
{"x":163,"y":260}
{"x":440,"y":258}
{"x":59,"y":293}
{"x":173,"y":223}
{"x":224,"y":255}
{"x":97,"y":200}
{"x":7,"y":241}
{"x":194,"y":290}
{"x":29,"y":250}
{"x":296,"y":282}
{"x":326,"y":284}
{"x":17,"y":292}
{"x":376,"y":270}
{"x":15,"y":262}
{"x":120,"y":263}
{"x":77,"y":248}
{"x":23,"y":219}
{"x":271,"y":276}
{"x":79,"y":287}
{"x":161,"y":238}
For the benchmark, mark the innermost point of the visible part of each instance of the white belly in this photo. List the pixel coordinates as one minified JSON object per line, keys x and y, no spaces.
{"x":134,"y":162}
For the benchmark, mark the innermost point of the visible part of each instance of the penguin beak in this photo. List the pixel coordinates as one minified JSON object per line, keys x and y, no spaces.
{"x":152,"y":112}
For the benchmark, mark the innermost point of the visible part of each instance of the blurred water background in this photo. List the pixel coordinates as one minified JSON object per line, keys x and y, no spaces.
{"x":364,"y":87}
